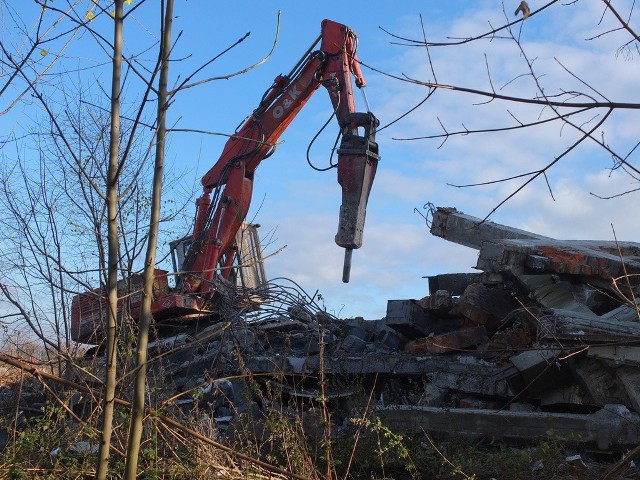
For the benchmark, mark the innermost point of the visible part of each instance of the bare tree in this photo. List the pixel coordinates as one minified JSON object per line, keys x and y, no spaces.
{"x":113,"y":242}
{"x":28,"y":53}
{"x":146,"y":315}
{"x":81,"y":214}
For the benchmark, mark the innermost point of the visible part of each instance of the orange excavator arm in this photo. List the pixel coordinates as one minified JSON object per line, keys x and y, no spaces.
{"x":228,"y":185}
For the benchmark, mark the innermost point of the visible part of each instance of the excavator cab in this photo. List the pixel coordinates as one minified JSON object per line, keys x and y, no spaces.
{"x":249,"y":270}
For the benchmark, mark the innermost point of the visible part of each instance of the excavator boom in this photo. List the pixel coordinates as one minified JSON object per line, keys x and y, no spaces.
{"x":217,"y":220}
{"x":227,"y":186}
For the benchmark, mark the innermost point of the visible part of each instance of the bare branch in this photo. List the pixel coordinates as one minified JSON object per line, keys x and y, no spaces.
{"x":623,"y":22}
{"x":490,"y":34}
{"x":493,"y":130}
{"x":184,"y":85}
{"x":548,"y":166}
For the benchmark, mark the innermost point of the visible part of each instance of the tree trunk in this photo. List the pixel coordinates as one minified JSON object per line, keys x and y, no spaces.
{"x":137,"y":407}
{"x":110,"y":380}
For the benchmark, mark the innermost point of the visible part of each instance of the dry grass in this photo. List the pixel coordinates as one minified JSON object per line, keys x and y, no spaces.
{"x":9,"y":375}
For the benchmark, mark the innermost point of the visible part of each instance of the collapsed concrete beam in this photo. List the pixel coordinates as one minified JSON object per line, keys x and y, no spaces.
{"x":504,"y":248}
{"x":407,"y":317}
{"x":570,"y":325}
{"x":446,"y":342}
{"x":616,"y":354}
{"x":459,"y":373}
{"x":470,"y":231}
{"x":454,"y":283}
{"x":558,"y":256}
{"x":420,"y":318}
{"x":613,"y":425}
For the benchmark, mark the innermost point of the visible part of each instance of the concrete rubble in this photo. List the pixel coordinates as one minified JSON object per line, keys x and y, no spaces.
{"x":543,"y":340}
{"x":540,"y":339}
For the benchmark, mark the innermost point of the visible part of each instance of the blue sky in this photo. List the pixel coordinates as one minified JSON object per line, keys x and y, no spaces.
{"x":301,"y":205}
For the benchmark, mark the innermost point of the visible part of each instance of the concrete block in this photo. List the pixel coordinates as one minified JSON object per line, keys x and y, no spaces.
{"x":389,"y":338}
{"x":630,"y":379}
{"x":438,"y":302}
{"x":616,"y":354}
{"x":486,"y":305}
{"x":353,"y":344}
{"x":432,"y":395}
{"x":454,"y":283}
{"x":565,"y":395}
{"x":601,"y":383}
{"x":537,"y":371}
{"x":407,"y":317}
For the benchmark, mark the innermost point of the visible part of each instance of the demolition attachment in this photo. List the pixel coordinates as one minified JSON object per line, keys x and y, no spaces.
{"x":357,"y":163}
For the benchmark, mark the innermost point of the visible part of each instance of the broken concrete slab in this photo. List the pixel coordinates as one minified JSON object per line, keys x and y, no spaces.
{"x":629,"y":378}
{"x":504,"y":248}
{"x":565,"y":397}
{"x":389,"y":338}
{"x":557,"y":256}
{"x":454,"y":283}
{"x":407,"y":317}
{"x":572,"y":326}
{"x":612,"y":425}
{"x":552,"y":292}
{"x":459,"y":373}
{"x":486,"y":305}
{"x":624,"y":313}
{"x":282,"y":324}
{"x":438,"y":302}
{"x":599,"y":382}
{"x":511,"y":339}
{"x":616,"y":354}
{"x":537,"y":371}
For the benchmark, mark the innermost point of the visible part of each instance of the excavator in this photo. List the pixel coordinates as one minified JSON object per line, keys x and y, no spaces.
{"x":211,"y":251}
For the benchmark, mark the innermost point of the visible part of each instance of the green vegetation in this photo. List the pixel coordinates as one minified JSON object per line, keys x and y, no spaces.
{"x":55,"y":445}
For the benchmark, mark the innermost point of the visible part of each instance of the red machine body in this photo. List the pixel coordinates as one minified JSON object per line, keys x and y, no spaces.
{"x":228,"y":185}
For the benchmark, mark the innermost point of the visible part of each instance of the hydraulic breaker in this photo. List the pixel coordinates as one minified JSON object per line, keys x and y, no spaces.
{"x":357,"y":163}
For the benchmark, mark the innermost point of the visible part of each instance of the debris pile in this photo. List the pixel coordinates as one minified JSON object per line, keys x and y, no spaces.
{"x":544,"y":337}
